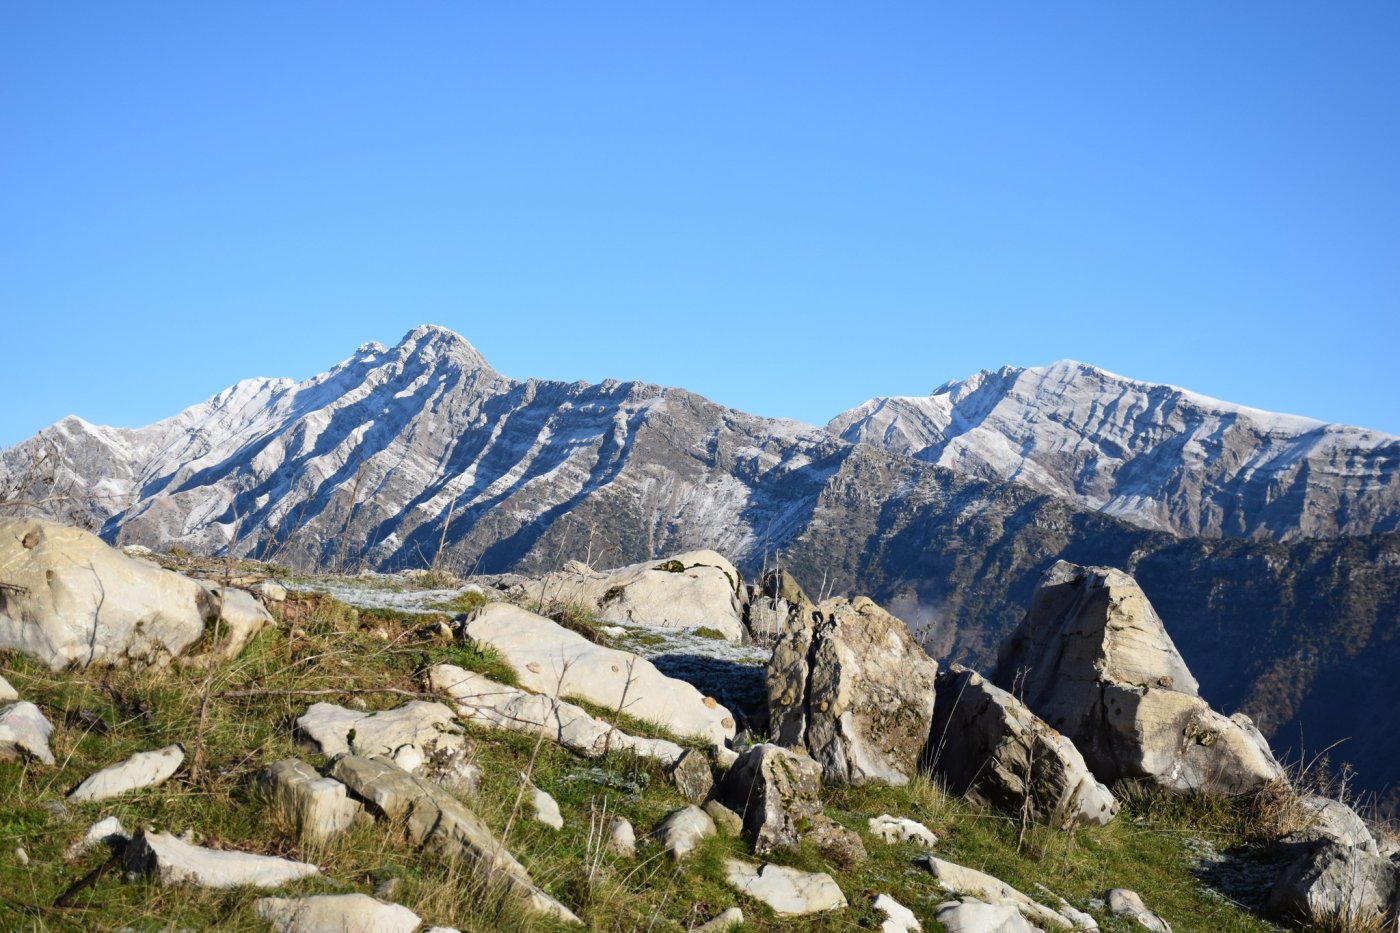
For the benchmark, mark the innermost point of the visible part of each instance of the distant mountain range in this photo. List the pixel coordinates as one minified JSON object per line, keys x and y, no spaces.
{"x":1264,"y":541}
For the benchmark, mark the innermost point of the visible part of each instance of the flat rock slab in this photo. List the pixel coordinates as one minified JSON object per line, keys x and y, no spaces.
{"x":789,"y":892}
{"x":172,"y":861}
{"x":144,"y":769}
{"x":480,"y":700}
{"x":336,"y":913}
{"x":424,"y":725}
{"x":25,"y":731}
{"x":958,"y":879}
{"x":317,"y":806}
{"x":551,"y":660}
{"x":970,"y":915}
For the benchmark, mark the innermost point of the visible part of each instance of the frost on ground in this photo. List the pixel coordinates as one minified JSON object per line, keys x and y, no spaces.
{"x":381,"y":591}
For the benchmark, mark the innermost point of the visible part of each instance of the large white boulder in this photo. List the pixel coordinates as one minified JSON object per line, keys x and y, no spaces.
{"x":695,"y":589}
{"x":1092,"y":658}
{"x":172,"y":861}
{"x":855,"y":689}
{"x":551,"y":660}
{"x":959,"y":879}
{"x":336,"y":913}
{"x":72,"y":599}
{"x":144,"y":769}
{"x":788,"y":891}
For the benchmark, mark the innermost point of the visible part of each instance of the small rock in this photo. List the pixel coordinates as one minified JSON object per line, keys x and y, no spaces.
{"x":727,"y":920}
{"x":1125,"y":903}
{"x":788,"y":891}
{"x":409,"y":758}
{"x":389,"y":888}
{"x":726,"y":820}
{"x":893,"y":829}
{"x":898,"y":918}
{"x":336,"y":913}
{"x":174,"y":862}
{"x":144,"y":769}
{"x":25,"y":731}
{"x":270,"y":592}
{"x":682,"y":831}
{"x":692,"y":776}
{"x":622,"y":839}
{"x":317,"y":806}
{"x":104,"y":832}
{"x":22,"y":857}
{"x":546,"y":808}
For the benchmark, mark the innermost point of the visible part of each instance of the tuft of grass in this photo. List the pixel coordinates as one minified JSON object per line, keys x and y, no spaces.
{"x":704,"y":631}
{"x":462,"y":602}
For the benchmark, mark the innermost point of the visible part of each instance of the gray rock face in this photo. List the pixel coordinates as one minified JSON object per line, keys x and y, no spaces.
{"x":440,"y":823}
{"x":172,"y":861}
{"x":144,"y":769}
{"x":691,"y":590}
{"x":336,"y":913}
{"x":1125,"y":903}
{"x":1330,"y":881}
{"x":70,"y":598}
{"x":1332,"y":819}
{"x":335,"y":730}
{"x":683,"y":830}
{"x":789,"y":892}
{"x":1152,"y":454}
{"x":692,"y":776}
{"x":856,"y":691}
{"x":726,"y":820}
{"x":551,"y":660}
{"x":24,"y":730}
{"x":987,"y":745}
{"x":1093,"y":659}
{"x":317,"y":806}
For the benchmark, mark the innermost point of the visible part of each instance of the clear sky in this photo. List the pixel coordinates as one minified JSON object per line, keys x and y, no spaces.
{"x":787,"y":207}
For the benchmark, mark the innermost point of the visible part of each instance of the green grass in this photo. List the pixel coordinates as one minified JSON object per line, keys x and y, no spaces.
{"x":104,"y":716}
{"x":463,"y":602}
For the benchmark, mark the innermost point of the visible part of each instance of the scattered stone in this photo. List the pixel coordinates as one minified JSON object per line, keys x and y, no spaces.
{"x":986,"y":745}
{"x":174,"y":862}
{"x":108,"y":831}
{"x":898,"y":918}
{"x":855,"y":689}
{"x":75,"y":600}
{"x":692,"y":776}
{"x":622,"y":839}
{"x":1077,"y":918}
{"x":894,"y":829}
{"x":788,"y":891}
{"x":240,"y":615}
{"x":682,"y":831}
{"x":22,"y":857}
{"x":335,"y":730}
{"x":969,"y":915}
{"x":25,"y":731}
{"x":317,"y":806}
{"x":335,"y":913}
{"x":840,"y":845}
{"x":1332,"y":819}
{"x":56,"y":810}
{"x":1124,"y":903}
{"x":553,"y":661}
{"x":726,"y":820}
{"x":270,"y":592}
{"x":1331,"y":881}
{"x":727,"y":920}
{"x":1093,"y":659}
{"x":695,"y":589}
{"x":8,"y":694}
{"x":389,"y":888}
{"x":440,"y":823}
{"x":774,"y":790}
{"x":546,"y":807}
{"x":453,"y":768}
{"x":957,"y":879}
{"x":487,"y":703}
{"x":144,"y":769}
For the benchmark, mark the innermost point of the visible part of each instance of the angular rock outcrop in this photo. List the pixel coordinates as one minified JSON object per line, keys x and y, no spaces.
{"x":71,"y":599}
{"x":317,"y":806}
{"x":173,"y":861}
{"x":335,"y":913}
{"x":788,"y":891}
{"x":987,"y":745}
{"x":775,"y":607}
{"x":1332,"y":819}
{"x":25,"y":730}
{"x":856,"y":691}
{"x":1331,"y":881}
{"x":335,"y":730}
{"x":144,"y":769}
{"x":698,"y":589}
{"x":777,"y":792}
{"x":551,"y":660}
{"x":481,"y":700}
{"x":441,"y":824}
{"x":1092,"y":658}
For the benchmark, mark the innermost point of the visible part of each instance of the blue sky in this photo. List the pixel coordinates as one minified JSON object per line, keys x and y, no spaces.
{"x":786,"y":207}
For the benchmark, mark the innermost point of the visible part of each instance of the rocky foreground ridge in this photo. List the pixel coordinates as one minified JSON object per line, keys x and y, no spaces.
{"x":541,"y":753}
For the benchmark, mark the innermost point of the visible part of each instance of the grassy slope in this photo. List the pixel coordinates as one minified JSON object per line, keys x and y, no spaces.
{"x":102,"y":717}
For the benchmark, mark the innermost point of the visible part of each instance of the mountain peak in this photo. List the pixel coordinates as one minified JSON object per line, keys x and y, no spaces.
{"x":432,"y":343}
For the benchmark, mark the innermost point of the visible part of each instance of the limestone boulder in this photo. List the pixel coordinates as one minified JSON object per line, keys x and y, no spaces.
{"x":72,"y":599}
{"x":898,"y":918}
{"x":144,"y":769}
{"x":335,"y":913}
{"x":959,"y":879}
{"x":1328,"y":881}
{"x":334,"y":730}
{"x":692,"y":776}
{"x":25,"y":732}
{"x":692,"y":590}
{"x":1331,"y":819}
{"x":172,"y":861}
{"x":483,"y":701}
{"x":1093,"y":659}
{"x":683,"y":830}
{"x":970,"y":915}
{"x":787,"y":891}
{"x":856,"y":690}
{"x":1125,"y":903}
{"x":987,"y":745}
{"x":895,"y":829}
{"x":317,"y":806}
{"x":551,"y":660}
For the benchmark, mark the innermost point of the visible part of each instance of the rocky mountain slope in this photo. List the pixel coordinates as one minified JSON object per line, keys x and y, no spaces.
{"x":422,"y":455}
{"x":1152,"y":454}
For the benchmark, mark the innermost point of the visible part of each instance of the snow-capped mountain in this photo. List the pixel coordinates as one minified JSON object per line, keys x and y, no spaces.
{"x":1155,"y":455}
